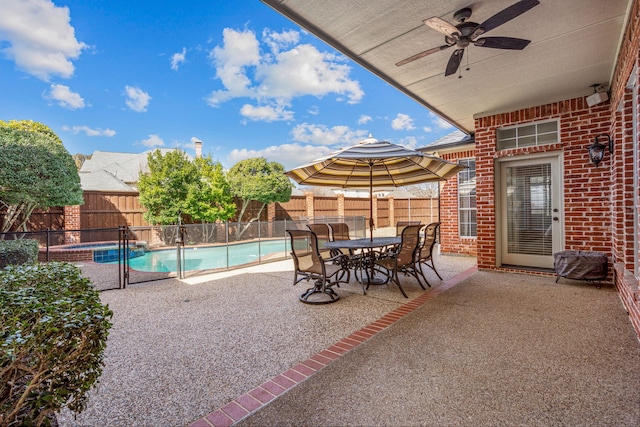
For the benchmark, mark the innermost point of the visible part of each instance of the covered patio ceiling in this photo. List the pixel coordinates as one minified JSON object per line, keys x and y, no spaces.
{"x":574,"y":44}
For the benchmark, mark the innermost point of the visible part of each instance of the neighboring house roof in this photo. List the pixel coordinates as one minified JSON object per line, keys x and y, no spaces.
{"x":453,"y":142}
{"x":102,"y":180}
{"x":455,"y":139}
{"x":110,"y":167}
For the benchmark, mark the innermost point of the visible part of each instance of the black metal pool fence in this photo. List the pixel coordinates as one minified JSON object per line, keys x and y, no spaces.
{"x":100,"y":252}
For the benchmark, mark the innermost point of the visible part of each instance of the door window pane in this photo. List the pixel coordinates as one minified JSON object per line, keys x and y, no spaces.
{"x":529,"y":213}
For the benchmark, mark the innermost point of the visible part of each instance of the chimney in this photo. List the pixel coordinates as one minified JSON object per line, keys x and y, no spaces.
{"x":198,"y":145}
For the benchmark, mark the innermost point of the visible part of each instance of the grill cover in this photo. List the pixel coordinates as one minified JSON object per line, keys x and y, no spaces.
{"x":581,"y":265}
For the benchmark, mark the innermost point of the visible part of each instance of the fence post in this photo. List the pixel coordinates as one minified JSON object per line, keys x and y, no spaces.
{"x":178,"y":245}
{"x":226,"y":239}
{"x":311,"y":211}
{"x":48,"y":242}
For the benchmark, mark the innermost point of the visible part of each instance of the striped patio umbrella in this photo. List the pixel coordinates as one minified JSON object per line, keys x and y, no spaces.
{"x":372,"y":163}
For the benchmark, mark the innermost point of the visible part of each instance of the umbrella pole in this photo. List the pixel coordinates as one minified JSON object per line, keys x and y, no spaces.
{"x":370,"y":201}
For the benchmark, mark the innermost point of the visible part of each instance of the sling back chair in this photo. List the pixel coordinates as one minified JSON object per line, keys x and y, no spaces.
{"x":309,"y":264}
{"x":323,"y":234}
{"x":400,"y":225}
{"x":424,"y":255}
{"x":402,"y":259}
{"x":340,"y":231}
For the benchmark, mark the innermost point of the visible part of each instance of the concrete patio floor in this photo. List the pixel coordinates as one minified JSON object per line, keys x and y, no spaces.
{"x":479,"y":348}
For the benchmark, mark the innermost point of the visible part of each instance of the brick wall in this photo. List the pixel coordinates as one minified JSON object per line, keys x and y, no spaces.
{"x":72,"y":222}
{"x":450,"y":239}
{"x":587,"y":189}
{"x":598,"y":201}
{"x":624,"y":193}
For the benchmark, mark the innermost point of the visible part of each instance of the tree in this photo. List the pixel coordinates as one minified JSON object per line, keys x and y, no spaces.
{"x":164,"y":190}
{"x":427,"y":190}
{"x":31,"y":126}
{"x":80,"y":158}
{"x":209,"y":199}
{"x":36,"y":171}
{"x":179,"y":187}
{"x":259,"y":180}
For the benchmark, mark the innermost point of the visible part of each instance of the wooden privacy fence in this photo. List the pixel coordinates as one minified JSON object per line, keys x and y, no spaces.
{"x":103,"y":209}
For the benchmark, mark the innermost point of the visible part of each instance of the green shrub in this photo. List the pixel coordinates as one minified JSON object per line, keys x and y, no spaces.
{"x":15,"y":252}
{"x":53,"y":332}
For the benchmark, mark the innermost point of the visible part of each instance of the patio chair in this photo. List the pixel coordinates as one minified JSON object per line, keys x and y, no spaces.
{"x":402,"y":259}
{"x":400,"y":225}
{"x":424,"y":256}
{"x":323,"y":233}
{"x":340,"y":231}
{"x":310,"y":265}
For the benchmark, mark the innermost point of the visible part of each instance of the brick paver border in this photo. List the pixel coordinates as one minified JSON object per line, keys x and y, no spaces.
{"x":260,"y":396}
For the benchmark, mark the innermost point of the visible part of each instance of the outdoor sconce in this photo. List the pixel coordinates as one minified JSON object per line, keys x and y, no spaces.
{"x":596,"y":150}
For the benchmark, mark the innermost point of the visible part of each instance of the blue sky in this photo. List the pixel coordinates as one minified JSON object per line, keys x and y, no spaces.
{"x":133,"y":75}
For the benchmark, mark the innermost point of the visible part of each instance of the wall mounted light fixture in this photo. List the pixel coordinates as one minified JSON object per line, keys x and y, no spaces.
{"x":596,"y":150}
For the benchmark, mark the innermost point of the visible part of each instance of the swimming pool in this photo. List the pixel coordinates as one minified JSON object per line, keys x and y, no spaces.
{"x":209,"y":257}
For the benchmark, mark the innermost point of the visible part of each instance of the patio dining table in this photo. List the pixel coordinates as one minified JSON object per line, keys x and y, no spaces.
{"x":365,"y":263}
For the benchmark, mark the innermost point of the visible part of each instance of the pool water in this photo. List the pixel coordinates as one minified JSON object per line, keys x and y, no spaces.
{"x":208,"y":258}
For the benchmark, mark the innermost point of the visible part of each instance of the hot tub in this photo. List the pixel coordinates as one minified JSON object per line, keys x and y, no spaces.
{"x":96,"y":251}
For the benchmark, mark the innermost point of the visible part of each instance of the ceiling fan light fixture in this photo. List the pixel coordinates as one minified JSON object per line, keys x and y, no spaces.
{"x":477,"y":32}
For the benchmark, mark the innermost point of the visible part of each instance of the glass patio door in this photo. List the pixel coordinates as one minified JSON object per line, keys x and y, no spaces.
{"x":531,"y":221}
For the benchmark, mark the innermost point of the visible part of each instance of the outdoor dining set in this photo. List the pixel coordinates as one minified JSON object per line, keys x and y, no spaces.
{"x":326,"y":256}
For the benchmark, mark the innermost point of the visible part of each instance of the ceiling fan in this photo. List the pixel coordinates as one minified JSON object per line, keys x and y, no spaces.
{"x":467,"y":32}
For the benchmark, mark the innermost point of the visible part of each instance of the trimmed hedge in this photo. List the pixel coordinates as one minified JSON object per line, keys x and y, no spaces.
{"x":53,"y":332}
{"x":15,"y":252}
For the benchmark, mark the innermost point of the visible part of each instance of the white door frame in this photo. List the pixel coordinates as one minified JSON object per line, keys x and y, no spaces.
{"x":557,"y":197}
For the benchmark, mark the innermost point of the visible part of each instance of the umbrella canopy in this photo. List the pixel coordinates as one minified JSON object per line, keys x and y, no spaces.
{"x":372,"y":163}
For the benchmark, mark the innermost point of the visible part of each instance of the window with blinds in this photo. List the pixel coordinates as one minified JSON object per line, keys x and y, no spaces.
{"x":528,"y":135}
{"x":467,"y":199}
{"x":529,"y":213}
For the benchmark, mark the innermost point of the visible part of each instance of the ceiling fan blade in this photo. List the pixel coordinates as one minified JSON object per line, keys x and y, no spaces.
{"x":502,"y":43}
{"x":504,"y":16}
{"x":454,"y":62}
{"x":442,"y":26}
{"x":422,"y":55}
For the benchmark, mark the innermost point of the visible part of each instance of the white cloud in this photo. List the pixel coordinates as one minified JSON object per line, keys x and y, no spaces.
{"x":402,"y":122}
{"x":314,"y":110}
{"x":304,"y":70}
{"x":289,"y":155}
{"x":278,"y":76}
{"x":39,"y":37}
{"x":152,"y":141}
{"x":89,"y":131}
{"x":323,"y":135}
{"x":427,"y":129}
{"x":239,"y":50}
{"x":410,"y":142}
{"x":65,"y":97}
{"x":439,"y":122}
{"x":266,"y":113}
{"x":364,"y":119}
{"x":278,"y":41}
{"x":137,"y":99}
{"x":178,"y":58}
